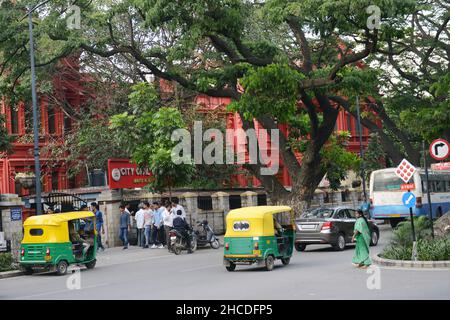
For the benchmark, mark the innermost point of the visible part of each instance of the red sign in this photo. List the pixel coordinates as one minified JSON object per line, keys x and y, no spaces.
{"x":440,"y":149}
{"x":405,"y":170}
{"x":408,"y":186}
{"x":440,"y":166}
{"x":124,"y":174}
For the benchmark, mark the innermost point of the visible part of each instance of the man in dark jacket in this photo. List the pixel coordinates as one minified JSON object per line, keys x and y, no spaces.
{"x":182,"y":227}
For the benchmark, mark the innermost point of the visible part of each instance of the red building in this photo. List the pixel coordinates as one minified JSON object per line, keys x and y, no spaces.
{"x":69,"y":86}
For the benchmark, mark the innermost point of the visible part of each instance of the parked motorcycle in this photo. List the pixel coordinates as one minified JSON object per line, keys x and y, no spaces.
{"x":178,"y":243}
{"x":206,"y":235}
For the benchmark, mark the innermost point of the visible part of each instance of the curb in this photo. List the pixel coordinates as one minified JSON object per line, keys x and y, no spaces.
{"x":10,"y":274}
{"x":410,"y":264}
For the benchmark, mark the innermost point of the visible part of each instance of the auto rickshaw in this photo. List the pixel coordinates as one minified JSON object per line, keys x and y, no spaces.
{"x":52,"y":242}
{"x":259,"y":235}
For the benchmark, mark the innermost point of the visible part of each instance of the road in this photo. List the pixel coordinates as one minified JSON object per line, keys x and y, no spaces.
{"x":317,"y":273}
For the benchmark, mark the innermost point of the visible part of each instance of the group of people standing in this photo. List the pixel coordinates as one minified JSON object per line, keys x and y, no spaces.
{"x":153,"y":222}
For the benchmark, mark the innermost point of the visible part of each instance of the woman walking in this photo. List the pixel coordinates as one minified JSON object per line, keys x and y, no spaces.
{"x":361,"y":258}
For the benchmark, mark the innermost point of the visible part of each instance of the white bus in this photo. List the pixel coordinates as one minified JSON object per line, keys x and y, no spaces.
{"x":386,"y":190}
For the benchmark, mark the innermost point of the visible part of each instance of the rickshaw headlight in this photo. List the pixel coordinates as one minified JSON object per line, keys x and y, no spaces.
{"x":47,"y":252}
{"x":22,"y":252}
{"x":227,"y":246}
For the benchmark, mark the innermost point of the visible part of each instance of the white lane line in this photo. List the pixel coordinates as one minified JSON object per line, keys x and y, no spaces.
{"x":60,"y":291}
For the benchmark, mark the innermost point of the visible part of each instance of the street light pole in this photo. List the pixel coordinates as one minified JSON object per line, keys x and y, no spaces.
{"x":37,"y":165}
{"x":361,"y":151}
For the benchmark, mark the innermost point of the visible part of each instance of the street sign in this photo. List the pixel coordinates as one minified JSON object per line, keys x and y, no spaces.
{"x":440,"y":166}
{"x":407,"y":187}
{"x":440,"y":149}
{"x":405,"y":170}
{"x":16,"y":214}
{"x":409,"y":199}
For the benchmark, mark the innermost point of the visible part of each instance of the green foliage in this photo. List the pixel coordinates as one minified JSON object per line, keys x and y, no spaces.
{"x":148,"y":134}
{"x":373,"y":155}
{"x":337,"y":161}
{"x":5,"y":139}
{"x":269,"y":90}
{"x":6,"y":261}
{"x":428,"y":249}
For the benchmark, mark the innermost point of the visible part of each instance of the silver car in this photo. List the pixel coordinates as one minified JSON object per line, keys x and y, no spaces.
{"x":330,"y":226}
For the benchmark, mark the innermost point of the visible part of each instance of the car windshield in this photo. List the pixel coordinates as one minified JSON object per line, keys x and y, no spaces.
{"x":318,"y":213}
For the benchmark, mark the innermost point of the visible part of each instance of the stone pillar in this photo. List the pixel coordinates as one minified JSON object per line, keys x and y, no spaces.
{"x":319,"y":197}
{"x":221,"y":203}
{"x":337,"y":197}
{"x":109,"y":201}
{"x":12,"y":229}
{"x":249,"y":199}
{"x":190,"y":205}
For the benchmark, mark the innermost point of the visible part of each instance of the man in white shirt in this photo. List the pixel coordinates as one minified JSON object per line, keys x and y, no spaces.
{"x":148,"y":223}
{"x":140,"y":219}
{"x":175,"y":207}
{"x":168,"y":223}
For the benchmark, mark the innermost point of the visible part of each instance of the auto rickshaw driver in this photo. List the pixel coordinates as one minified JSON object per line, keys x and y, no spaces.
{"x":76,"y":238}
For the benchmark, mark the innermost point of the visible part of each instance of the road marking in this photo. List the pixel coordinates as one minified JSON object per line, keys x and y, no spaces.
{"x":60,"y":291}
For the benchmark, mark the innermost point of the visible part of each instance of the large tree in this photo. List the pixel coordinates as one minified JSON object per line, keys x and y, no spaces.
{"x":280,"y":61}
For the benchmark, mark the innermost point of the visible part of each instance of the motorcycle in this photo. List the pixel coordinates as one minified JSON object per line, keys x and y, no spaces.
{"x":206,"y":235}
{"x":178,"y":243}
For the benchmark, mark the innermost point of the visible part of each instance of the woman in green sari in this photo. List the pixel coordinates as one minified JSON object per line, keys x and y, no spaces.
{"x":361,"y":258}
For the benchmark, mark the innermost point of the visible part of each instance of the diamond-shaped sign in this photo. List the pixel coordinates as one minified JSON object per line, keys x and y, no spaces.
{"x":405,"y":170}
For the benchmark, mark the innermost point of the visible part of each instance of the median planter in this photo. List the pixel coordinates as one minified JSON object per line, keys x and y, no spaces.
{"x":410,"y":264}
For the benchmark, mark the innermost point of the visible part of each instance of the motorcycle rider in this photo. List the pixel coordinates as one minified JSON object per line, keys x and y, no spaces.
{"x":182,"y":227}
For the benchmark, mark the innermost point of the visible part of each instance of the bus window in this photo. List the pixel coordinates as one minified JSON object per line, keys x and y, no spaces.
{"x":386,"y":181}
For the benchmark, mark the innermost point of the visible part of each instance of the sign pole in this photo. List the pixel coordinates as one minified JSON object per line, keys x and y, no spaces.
{"x":414,"y":248}
{"x":430,"y":212}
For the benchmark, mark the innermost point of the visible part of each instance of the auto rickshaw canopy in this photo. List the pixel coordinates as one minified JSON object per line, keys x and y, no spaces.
{"x":255,"y":221}
{"x":51,"y":228}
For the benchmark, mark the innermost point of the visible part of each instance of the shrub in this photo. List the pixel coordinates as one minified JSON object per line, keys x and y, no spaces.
{"x":427,"y":250}
{"x":403,"y":233}
{"x":6,"y":261}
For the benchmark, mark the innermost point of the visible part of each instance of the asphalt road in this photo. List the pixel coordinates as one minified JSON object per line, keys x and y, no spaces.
{"x":317,"y":273}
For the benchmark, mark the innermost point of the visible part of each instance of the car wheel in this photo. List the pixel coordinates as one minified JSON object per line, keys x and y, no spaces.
{"x":91,"y":265}
{"x":300,"y":247}
{"x":285,"y":261}
{"x":231,"y":267}
{"x":61,"y":268}
{"x":340,"y":243}
{"x":215,"y":244}
{"x":270,"y":262}
{"x":373,"y":238}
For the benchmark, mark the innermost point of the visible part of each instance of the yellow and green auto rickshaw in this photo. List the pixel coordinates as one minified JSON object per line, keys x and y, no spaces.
{"x":52,"y":242}
{"x":259,"y":235}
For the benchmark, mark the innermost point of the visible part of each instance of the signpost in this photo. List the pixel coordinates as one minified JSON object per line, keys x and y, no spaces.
{"x":409,"y":201}
{"x":16,"y":214}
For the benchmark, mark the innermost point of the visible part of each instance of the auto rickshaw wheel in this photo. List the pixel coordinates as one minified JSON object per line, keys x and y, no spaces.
{"x":91,"y":265}
{"x":61,"y":267}
{"x":285,"y":261}
{"x":231,"y":267}
{"x":270,"y":262}
{"x":28,"y":271}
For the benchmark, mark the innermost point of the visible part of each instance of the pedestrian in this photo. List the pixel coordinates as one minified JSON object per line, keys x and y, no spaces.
{"x":361,"y":258}
{"x":124,"y":226}
{"x":157,"y":225}
{"x":176,"y":206}
{"x":98,"y":224}
{"x":139,"y":217}
{"x":148,"y":222}
{"x":180,"y":224}
{"x":168,"y":223}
